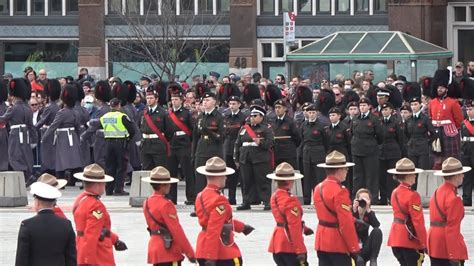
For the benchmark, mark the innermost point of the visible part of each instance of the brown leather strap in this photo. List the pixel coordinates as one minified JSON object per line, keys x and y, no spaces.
{"x":328,"y":224}
{"x":399,"y":220}
{"x":437,"y":224}
{"x":80,"y":233}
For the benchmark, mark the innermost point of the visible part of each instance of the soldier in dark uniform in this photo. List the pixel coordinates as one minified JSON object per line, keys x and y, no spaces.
{"x":84,"y":117}
{"x":179,"y":126}
{"x":233,"y":121}
{"x":366,"y":136}
{"x":303,"y":98}
{"x":390,"y":151}
{"x":23,"y":136}
{"x":352,"y":113}
{"x":129,"y":109}
{"x":315,"y":148}
{"x":252,"y":154}
{"x":405,"y":115}
{"x":272,"y":94}
{"x":3,"y":127}
{"x":208,"y":136}
{"x":52,"y":91}
{"x":383,"y":96}
{"x":287,"y":136}
{"x":467,"y":152}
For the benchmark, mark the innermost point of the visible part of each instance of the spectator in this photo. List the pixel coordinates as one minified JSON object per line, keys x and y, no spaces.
{"x":62,"y":81}
{"x":42,"y":78}
{"x":348,"y":84}
{"x":84,"y":76}
{"x":87,"y":87}
{"x":34,"y":105}
{"x":7,"y":77}
{"x":144,"y":83}
{"x":138,"y":103}
{"x":369,"y":75}
{"x":458,"y":74}
{"x":390,"y":79}
{"x":470,"y":69}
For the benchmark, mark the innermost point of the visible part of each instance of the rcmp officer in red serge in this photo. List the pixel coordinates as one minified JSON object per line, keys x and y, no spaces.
{"x":407,"y":234}
{"x":446,"y":116}
{"x":287,"y":135}
{"x":287,"y":243}
{"x":208,"y":135}
{"x":179,"y":126}
{"x":336,"y":237}
{"x":446,"y":246}
{"x":233,"y":121}
{"x":467,"y":155}
{"x":252,"y":155}
{"x":215,"y":244}
{"x":94,"y":239}
{"x":167,"y":239}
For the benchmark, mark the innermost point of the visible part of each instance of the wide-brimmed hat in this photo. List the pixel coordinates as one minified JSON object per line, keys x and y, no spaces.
{"x":160,"y":175}
{"x":52,"y":180}
{"x":94,"y":173}
{"x":404,"y":166}
{"x":452,"y":166}
{"x":284,"y":171}
{"x":44,"y":191}
{"x":215,"y":167}
{"x":335,"y":159}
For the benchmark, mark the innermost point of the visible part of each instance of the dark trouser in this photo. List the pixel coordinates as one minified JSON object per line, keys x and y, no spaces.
{"x":365,"y":174}
{"x":152,"y":160}
{"x":287,"y":259}
{"x":467,"y":182}
{"x":291,"y":161}
{"x":116,"y":160}
{"x":443,"y":262}
{"x":386,"y":182}
{"x":420,"y":161}
{"x":232,"y":180}
{"x":255,"y":175}
{"x":334,"y":259}
{"x":172,"y":263}
{"x":201,"y":181}
{"x":313,"y":176}
{"x":182,"y":157}
{"x":232,"y":262}
{"x":371,"y":246}
{"x":408,"y":256}
{"x":68,"y":175}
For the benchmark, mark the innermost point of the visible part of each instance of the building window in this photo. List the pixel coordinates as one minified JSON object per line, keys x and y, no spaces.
{"x":266,"y":49}
{"x":55,"y":6}
{"x":168,"y":7}
{"x":286,"y":5}
{"x":38,"y":7}
{"x":380,"y":6}
{"x":223,"y":6}
{"x":343,"y":6}
{"x":20,"y":6}
{"x":304,"y":6}
{"x":72,"y":6}
{"x":361,"y":5}
{"x":460,"y":13}
{"x":133,"y":6}
{"x":187,"y":6}
{"x":268,"y":6}
{"x":280,"y":50}
{"x":115,"y":6}
{"x":150,"y":6}
{"x":205,"y":6}
{"x":4,"y":7}
{"x":41,"y":51}
{"x":324,"y":6}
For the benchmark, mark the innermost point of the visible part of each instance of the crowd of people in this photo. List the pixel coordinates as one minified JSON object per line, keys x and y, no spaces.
{"x":252,"y":126}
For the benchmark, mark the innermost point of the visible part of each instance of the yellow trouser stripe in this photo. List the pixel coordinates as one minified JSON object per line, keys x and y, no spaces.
{"x":353,"y":262}
{"x":236,"y":262}
{"x":175,"y":263}
{"x":420,"y":260}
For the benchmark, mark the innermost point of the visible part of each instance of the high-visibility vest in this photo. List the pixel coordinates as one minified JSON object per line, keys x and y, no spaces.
{"x":113,"y":126}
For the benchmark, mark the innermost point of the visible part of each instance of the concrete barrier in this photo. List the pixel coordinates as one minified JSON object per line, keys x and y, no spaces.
{"x":139,"y":190}
{"x":12,"y":189}
{"x":427,"y":184}
{"x":297,"y":189}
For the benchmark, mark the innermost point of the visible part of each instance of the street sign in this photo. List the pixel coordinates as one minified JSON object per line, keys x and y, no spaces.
{"x":289,"y":27}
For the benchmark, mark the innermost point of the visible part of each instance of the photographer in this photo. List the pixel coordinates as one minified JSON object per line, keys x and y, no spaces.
{"x":365,"y":217}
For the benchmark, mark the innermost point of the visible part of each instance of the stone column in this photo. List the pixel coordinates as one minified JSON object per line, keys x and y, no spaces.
{"x":91,"y":52}
{"x":243,"y":37}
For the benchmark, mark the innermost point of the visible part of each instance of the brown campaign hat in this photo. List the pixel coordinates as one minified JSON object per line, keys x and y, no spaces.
{"x":52,"y":180}
{"x":215,"y":167}
{"x":452,"y":166}
{"x":335,"y":160}
{"x":94,"y":173}
{"x":284,"y":171}
{"x":404,"y":166}
{"x":160,"y":175}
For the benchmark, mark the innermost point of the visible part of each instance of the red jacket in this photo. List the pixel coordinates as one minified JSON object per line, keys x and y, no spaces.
{"x":59,"y":212}
{"x":447,"y":242}
{"x":287,"y":209}
{"x":338,"y":209}
{"x":90,"y":217}
{"x":213,"y":210}
{"x":164,"y":211}
{"x":446,"y":109}
{"x":410,"y":203}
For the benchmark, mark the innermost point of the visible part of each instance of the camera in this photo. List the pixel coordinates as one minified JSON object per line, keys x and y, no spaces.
{"x":362,"y":203}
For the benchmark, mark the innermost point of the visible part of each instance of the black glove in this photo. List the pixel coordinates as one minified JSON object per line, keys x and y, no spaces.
{"x":301,"y":258}
{"x":192,"y":260}
{"x":210,"y":263}
{"x":248,"y":229}
{"x":454,"y":263}
{"x":120,"y":245}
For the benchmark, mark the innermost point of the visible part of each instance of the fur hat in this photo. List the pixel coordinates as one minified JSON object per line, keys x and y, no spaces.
{"x":426,"y":86}
{"x":326,"y":100}
{"x":69,"y":95}
{"x":132,"y":91}
{"x":3,"y":91}
{"x":229,"y":90}
{"x":272,"y":94}
{"x":175,"y":89}
{"x":466,"y":86}
{"x":160,"y":88}
{"x":411,"y":90}
{"x":200,"y":90}
{"x":20,"y":88}
{"x":52,"y":89}
{"x":120,"y":92}
{"x":443,"y":77}
{"x":102,"y":91}
{"x":349,"y":96}
{"x":303,"y":95}
{"x":251,"y":92}
{"x":80,"y":92}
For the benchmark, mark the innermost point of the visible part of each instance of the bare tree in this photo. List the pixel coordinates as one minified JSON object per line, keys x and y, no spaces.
{"x":161,"y":38}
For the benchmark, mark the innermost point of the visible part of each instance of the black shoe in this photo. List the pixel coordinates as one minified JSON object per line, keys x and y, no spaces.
{"x":232,"y":202}
{"x":243,"y":207}
{"x":188,"y":202}
{"x":121,"y":193}
{"x":193,"y":214}
{"x":267,"y":207}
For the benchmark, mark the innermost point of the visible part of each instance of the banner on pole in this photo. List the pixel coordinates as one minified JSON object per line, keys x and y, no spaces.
{"x":289,"y":27}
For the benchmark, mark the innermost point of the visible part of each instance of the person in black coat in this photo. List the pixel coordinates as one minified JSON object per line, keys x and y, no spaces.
{"x":45,"y":239}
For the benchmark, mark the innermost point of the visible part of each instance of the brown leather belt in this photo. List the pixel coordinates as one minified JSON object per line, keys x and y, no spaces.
{"x":204,"y":228}
{"x":399,"y":220}
{"x":437,"y":224}
{"x":80,"y":233}
{"x":155,"y":232}
{"x":328,"y":224}
{"x":281,"y":225}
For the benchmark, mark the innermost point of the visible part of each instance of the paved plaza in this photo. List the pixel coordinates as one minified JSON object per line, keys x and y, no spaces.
{"x":129,"y":224}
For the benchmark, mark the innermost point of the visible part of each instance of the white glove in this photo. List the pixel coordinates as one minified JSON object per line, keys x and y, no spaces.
{"x":138,"y":143}
{"x":33,"y":146}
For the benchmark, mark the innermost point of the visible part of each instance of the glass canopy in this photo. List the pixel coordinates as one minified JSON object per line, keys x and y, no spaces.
{"x":376,"y":45}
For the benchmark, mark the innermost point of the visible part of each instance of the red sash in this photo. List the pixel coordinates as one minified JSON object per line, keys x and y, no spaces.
{"x":254,"y":136}
{"x":179,"y":123}
{"x":469,"y":126}
{"x":156,"y":130}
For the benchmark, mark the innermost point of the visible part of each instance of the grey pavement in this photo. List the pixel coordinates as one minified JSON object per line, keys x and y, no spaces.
{"x":130,"y":225}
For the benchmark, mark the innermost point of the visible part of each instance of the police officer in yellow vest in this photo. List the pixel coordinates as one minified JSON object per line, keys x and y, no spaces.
{"x":118,"y":130}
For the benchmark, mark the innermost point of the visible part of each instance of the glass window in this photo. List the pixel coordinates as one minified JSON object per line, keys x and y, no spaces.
{"x":380,"y":5}
{"x":73,"y":6}
{"x":267,"y":49}
{"x":115,"y":6}
{"x":187,"y":6}
{"x":361,"y":5}
{"x":4,"y":7}
{"x":324,"y":6}
{"x":55,"y":6}
{"x":133,"y":6}
{"x":286,"y":6}
{"x":168,"y":6}
{"x":38,"y":7}
{"x":45,"y":52}
{"x":460,"y":13}
{"x":268,"y":6}
{"x":343,"y":6}
{"x":304,"y":6}
{"x":472,"y":13}
{"x":205,"y":6}
{"x":280,"y":50}
{"x":150,"y":6}
{"x":20,"y":6}
{"x":223,"y":6}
